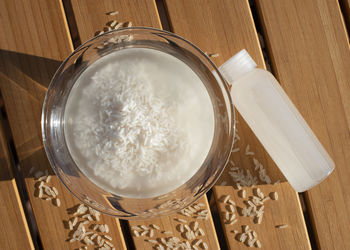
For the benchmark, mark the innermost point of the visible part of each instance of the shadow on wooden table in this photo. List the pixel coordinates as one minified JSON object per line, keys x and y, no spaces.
{"x":24,"y":79}
{"x":20,"y":67}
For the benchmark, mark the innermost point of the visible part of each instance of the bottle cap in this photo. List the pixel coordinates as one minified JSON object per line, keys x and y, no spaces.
{"x":238,"y":65}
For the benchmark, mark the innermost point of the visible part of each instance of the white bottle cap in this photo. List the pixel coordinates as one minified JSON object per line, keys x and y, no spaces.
{"x":238,"y":65}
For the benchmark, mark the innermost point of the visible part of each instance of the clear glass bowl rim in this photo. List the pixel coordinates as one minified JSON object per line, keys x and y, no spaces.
{"x":76,"y":50}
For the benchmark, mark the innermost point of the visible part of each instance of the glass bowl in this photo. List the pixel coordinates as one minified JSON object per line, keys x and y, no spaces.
{"x":53,"y":123}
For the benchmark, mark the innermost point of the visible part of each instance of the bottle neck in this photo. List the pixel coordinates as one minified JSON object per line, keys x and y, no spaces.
{"x":237,"y":66}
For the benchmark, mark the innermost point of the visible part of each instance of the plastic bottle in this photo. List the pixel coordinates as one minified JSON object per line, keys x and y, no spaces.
{"x":276,"y":122}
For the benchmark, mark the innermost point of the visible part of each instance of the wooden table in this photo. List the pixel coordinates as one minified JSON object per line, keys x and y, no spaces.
{"x":304,"y":43}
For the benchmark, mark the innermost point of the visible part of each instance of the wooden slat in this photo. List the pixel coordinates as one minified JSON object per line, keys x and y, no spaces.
{"x":171,"y":224}
{"x":285,"y":210}
{"x":224,"y":27}
{"x":14,"y":231}
{"x":91,"y":16}
{"x":311,"y":57}
{"x":36,"y":41}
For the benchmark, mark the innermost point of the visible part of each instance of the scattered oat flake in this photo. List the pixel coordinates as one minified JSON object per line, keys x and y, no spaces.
{"x":281,"y":226}
{"x":195,"y":226}
{"x":261,"y":195}
{"x":187,"y":214}
{"x":258,"y":243}
{"x":192,"y":209}
{"x":144,"y":233}
{"x":40,"y":193}
{"x":113,"y":13}
{"x":242,"y":194}
{"x":58,"y":202}
{"x":226,"y":198}
{"x":155,"y":226}
{"x":256,"y":162}
{"x":227,"y":216}
{"x":55,"y":190}
{"x":151,"y":241}
{"x":233,"y":222}
{"x":151,"y":233}
{"x":251,"y":204}
{"x":235,"y":150}
{"x":109,"y":243}
{"x":196,"y":207}
{"x":274,"y":196}
{"x":181,"y":220}
{"x":247,"y":150}
{"x":108,"y":237}
{"x":48,"y":179}
{"x":261,"y":208}
{"x":199,"y":241}
{"x":118,"y":26}
{"x":204,"y":245}
{"x":70,"y":225}
{"x":102,"y":242}
{"x":113,"y":23}
{"x":214,"y":55}
{"x":75,"y":221}
{"x":231,"y":202}
{"x":106,"y":228}
{"x":250,"y":236}
{"x":231,"y":208}
{"x":243,"y":237}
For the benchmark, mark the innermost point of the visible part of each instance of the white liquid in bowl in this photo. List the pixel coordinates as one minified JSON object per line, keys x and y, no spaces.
{"x":139,"y":123}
